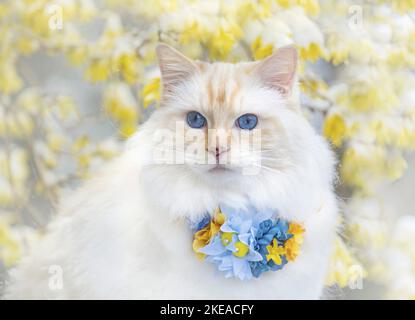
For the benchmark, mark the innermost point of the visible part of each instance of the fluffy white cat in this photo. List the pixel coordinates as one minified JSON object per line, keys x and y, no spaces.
{"x":126,"y":234}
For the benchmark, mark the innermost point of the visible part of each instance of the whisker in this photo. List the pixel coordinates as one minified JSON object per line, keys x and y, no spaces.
{"x":267,"y":168}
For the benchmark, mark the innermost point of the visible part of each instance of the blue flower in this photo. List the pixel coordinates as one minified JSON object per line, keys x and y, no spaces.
{"x":259,"y":267}
{"x":264,"y":227}
{"x":281,"y":230}
{"x":274,"y":267}
{"x":240,"y":248}
{"x":226,"y":259}
{"x":234,"y":255}
{"x":232,"y":266}
{"x":268,"y":230}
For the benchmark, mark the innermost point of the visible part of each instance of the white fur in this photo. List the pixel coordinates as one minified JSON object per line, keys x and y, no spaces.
{"x":124,"y":233}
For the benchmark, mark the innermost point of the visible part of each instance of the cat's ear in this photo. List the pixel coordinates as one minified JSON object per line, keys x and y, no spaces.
{"x":278,"y":70}
{"x":174,"y":66}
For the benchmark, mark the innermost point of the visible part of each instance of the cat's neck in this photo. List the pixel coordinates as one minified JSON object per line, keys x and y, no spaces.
{"x":181,"y":193}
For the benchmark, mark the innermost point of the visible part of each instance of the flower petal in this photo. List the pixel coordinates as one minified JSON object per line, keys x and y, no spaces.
{"x":227,"y":227}
{"x":241,"y":269}
{"x":253,"y":256}
{"x":215,"y":247}
{"x":244,"y":238}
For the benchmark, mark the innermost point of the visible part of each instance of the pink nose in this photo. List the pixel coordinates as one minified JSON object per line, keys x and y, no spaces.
{"x":218,"y":151}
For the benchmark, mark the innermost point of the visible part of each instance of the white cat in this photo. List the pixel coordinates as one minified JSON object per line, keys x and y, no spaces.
{"x":126,"y":233}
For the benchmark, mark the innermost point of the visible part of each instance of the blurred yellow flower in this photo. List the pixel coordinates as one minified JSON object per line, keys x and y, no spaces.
{"x":10,"y":81}
{"x":310,"y":6}
{"x":151,"y":92}
{"x":9,"y":247}
{"x":260,"y":51}
{"x":221,"y":44}
{"x":335,"y":129}
{"x":98,"y":70}
{"x":344,"y":268}
{"x":122,"y":107}
{"x":128,"y":66}
{"x":313,"y":52}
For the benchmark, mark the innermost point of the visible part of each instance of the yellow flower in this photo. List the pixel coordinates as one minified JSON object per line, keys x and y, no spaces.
{"x":9,"y":248}
{"x":193,"y":31}
{"x":151,"y":92}
{"x":292,"y":245}
{"x":26,"y":46}
{"x":310,"y":6}
{"x":203,"y":236}
{"x":66,"y":107}
{"x":241,"y":249}
{"x":127,"y":129}
{"x":260,"y":51}
{"x":343,"y":266}
{"x":297,"y":230}
{"x":80,"y":143}
{"x":335,"y":129}
{"x":98,"y":70}
{"x":275,"y":252}
{"x":226,"y":238}
{"x":84,"y":160}
{"x":77,"y":56}
{"x":339,"y":49}
{"x":284,"y":3}
{"x":221,"y":44}
{"x":10,"y":81}
{"x":312,"y":52}
{"x":127,"y":64}
{"x":121,"y":106}
{"x":292,"y":248}
{"x":55,"y":141}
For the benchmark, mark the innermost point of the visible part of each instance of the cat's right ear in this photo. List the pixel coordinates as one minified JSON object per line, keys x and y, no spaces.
{"x":174,"y":66}
{"x":278,"y":70}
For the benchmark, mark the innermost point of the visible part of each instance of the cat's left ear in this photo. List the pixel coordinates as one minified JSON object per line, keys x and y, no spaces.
{"x":174,"y":66}
{"x":278,"y":70}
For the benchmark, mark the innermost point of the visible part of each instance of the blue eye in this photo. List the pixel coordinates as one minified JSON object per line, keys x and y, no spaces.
{"x":247,"y":121}
{"x":195,"y":120}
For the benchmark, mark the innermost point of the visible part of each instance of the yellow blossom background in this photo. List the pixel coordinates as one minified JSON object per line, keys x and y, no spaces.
{"x":77,"y":77}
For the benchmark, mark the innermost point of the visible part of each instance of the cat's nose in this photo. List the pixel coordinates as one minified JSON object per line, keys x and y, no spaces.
{"x":218,"y":151}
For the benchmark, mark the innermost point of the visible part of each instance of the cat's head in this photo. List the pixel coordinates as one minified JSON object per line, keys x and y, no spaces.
{"x":223,"y":120}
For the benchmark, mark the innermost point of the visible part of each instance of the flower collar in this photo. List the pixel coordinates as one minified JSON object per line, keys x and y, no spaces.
{"x":246,"y":243}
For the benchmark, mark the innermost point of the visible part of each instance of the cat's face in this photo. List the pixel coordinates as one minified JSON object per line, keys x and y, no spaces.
{"x":225,"y":120}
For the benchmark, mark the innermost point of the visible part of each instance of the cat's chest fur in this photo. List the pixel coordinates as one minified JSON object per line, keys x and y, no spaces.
{"x":168,"y":268}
